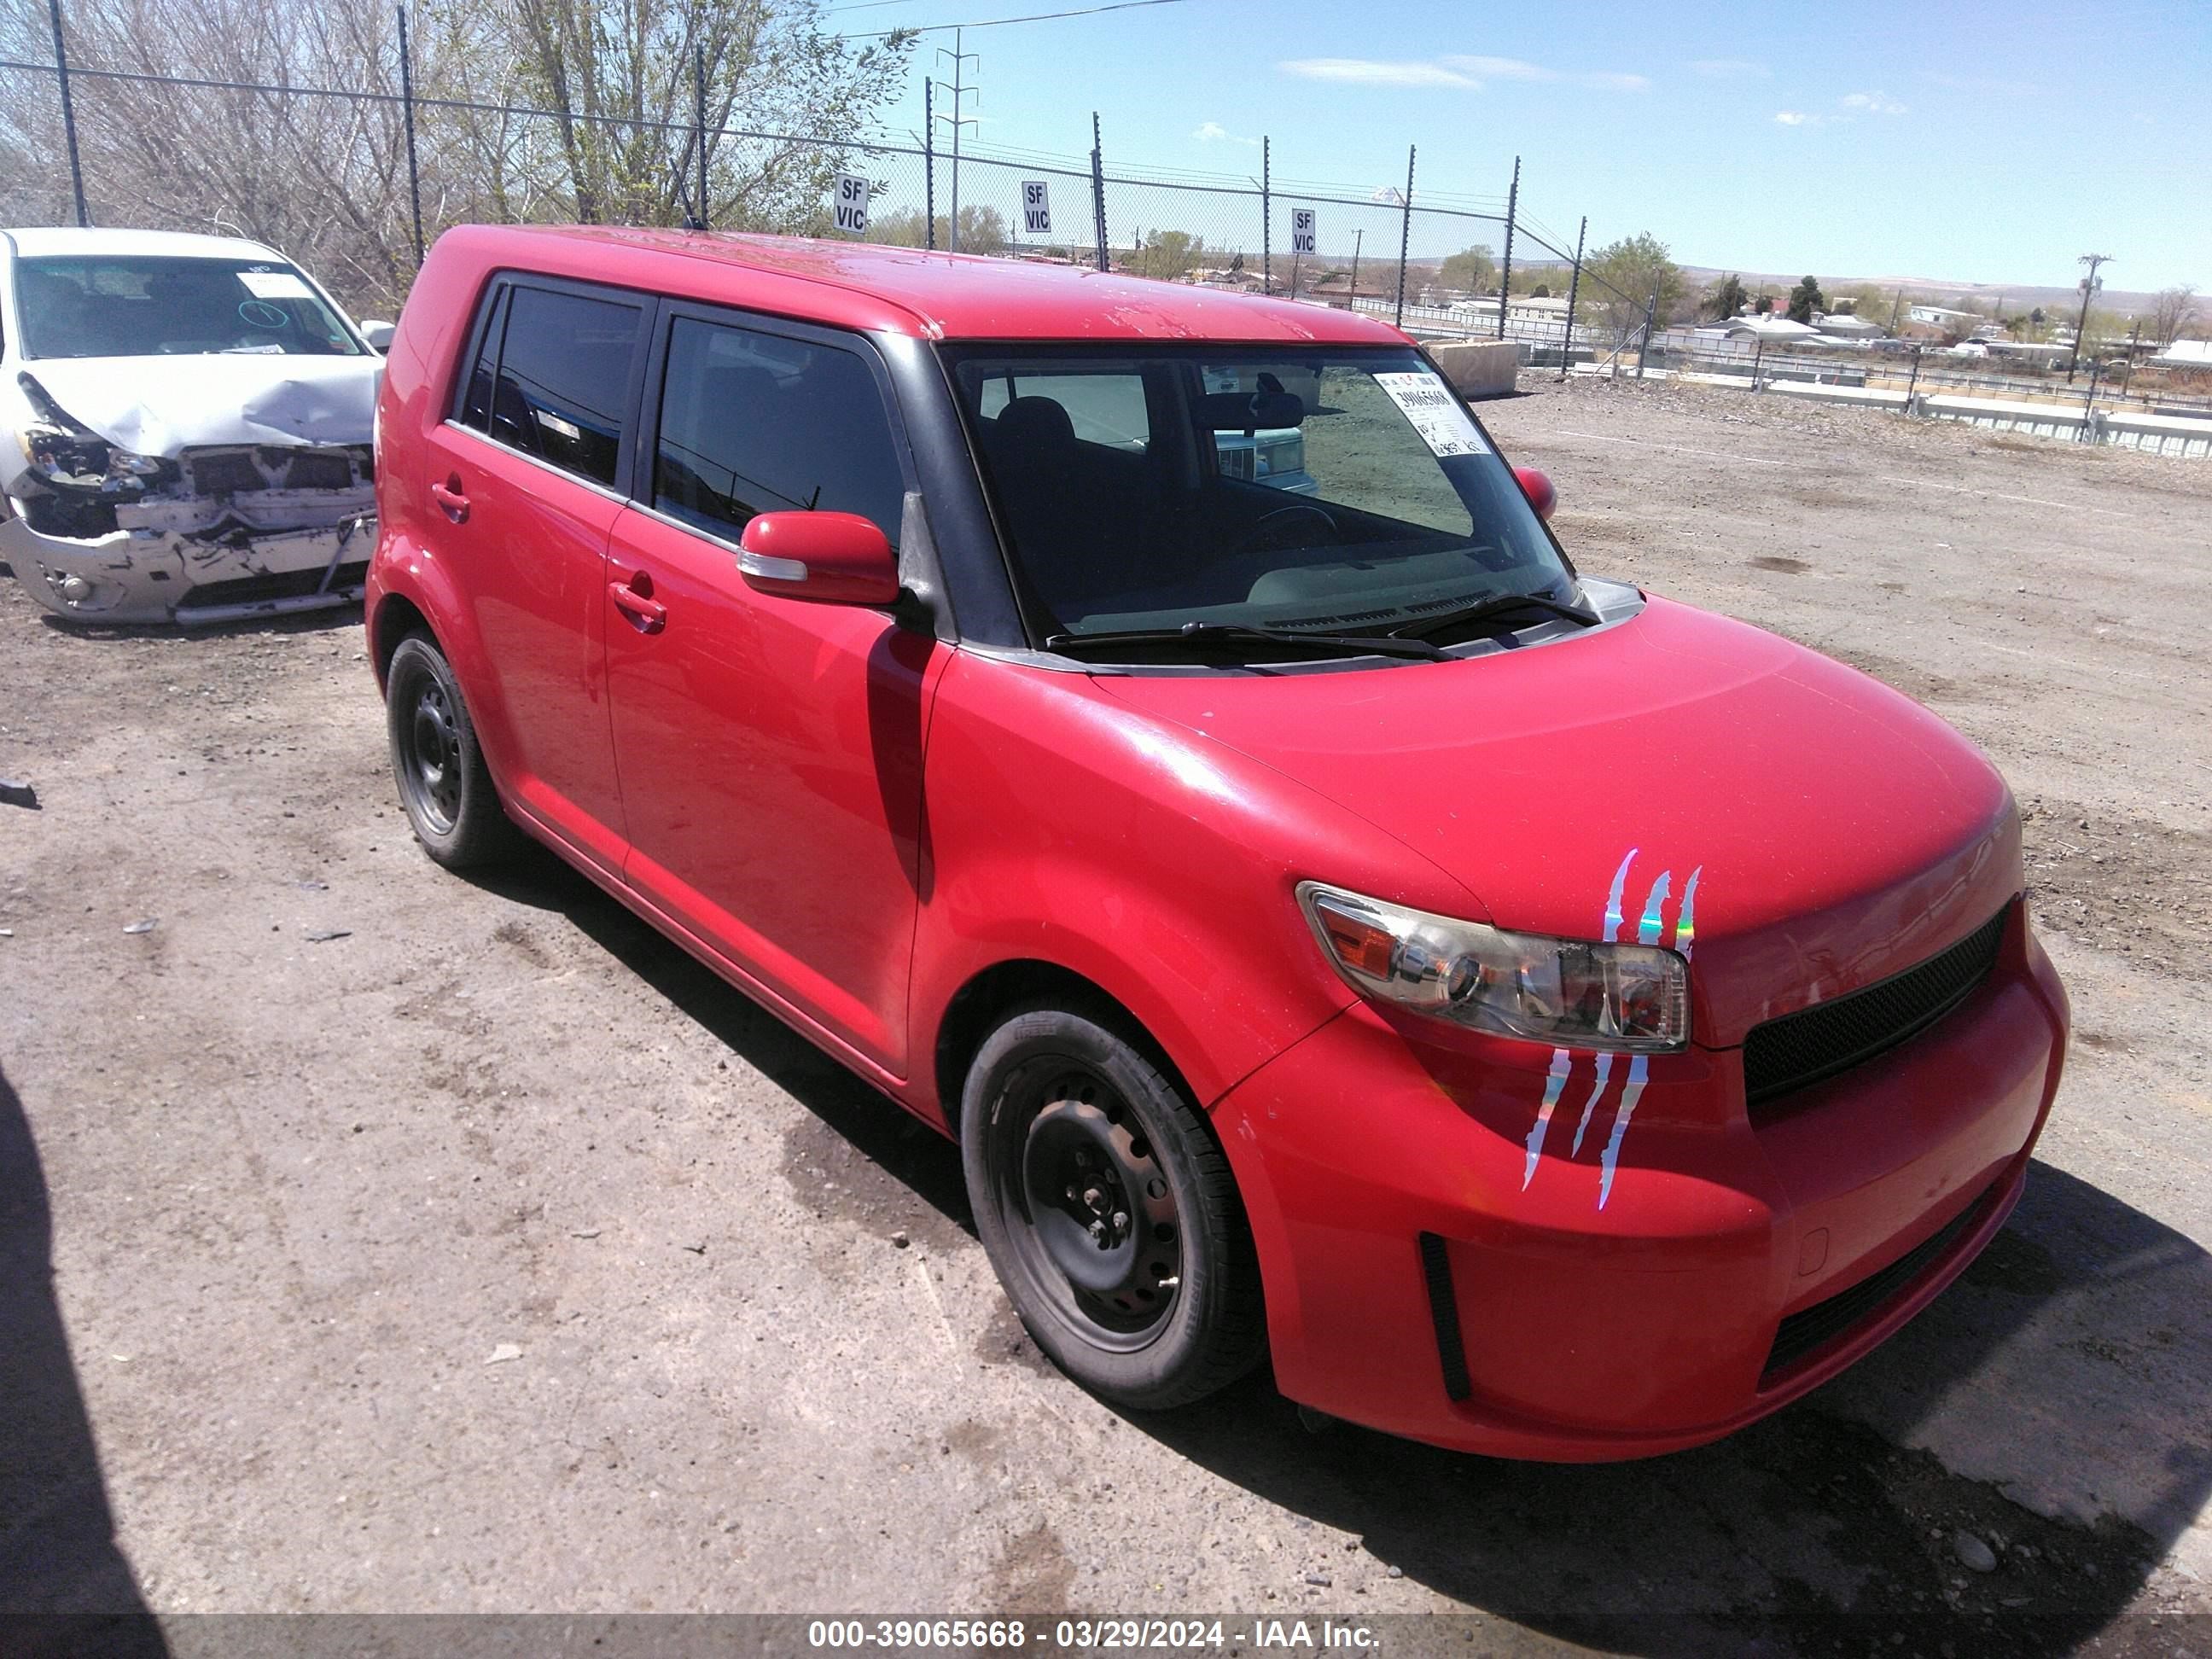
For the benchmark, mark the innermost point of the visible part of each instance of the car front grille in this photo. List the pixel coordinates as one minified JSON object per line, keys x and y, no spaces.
{"x":228,"y":471}
{"x":1799,"y":1049}
{"x":1815,"y":1326}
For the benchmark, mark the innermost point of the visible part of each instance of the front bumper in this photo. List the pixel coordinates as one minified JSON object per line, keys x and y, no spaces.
{"x":1425,"y":1277}
{"x":132,"y":576}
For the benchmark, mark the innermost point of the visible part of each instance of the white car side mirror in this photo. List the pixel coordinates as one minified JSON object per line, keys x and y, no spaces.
{"x":378,"y":335}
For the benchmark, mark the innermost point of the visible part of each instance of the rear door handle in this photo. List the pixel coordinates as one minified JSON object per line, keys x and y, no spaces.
{"x":450,"y":495}
{"x":634,"y":599}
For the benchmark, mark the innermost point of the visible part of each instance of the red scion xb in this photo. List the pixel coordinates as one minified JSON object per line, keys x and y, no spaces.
{"x":1152,"y":736}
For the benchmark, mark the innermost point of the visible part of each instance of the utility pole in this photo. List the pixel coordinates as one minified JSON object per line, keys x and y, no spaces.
{"x":1650,"y":318}
{"x":958,"y":118}
{"x":1358,"y":236}
{"x":2135,"y":339}
{"x":2089,"y":287}
{"x":1896,"y":310}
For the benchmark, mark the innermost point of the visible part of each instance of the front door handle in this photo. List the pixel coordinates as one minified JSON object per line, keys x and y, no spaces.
{"x":634,"y":599}
{"x":450,"y":496}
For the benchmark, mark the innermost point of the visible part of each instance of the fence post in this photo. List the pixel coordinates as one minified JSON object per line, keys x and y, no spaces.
{"x":1505,"y":278}
{"x":1098,"y":193}
{"x":1266,"y":218}
{"x":2128,"y":372}
{"x":1911,"y":382}
{"x":1405,"y":238}
{"x":1574,"y":286}
{"x":699,"y":95}
{"x":1758,"y":356}
{"x":68,"y":114}
{"x":407,"y":120}
{"x":929,"y":163}
{"x":1644,"y":346}
{"x":1359,"y":238}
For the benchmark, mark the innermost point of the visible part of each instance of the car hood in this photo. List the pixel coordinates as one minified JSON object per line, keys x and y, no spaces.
{"x":1835,"y":831}
{"x":164,"y":405}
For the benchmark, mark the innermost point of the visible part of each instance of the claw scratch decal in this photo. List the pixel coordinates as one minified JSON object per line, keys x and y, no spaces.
{"x":1651,"y":929}
{"x":1562,"y":1061}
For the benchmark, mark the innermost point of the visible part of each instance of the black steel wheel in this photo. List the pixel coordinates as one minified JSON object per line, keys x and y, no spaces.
{"x":1109,"y":1211}
{"x":444,"y":784}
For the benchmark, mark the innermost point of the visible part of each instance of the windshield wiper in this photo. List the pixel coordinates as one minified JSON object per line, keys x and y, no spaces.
{"x":1236,"y":633}
{"x":1498,"y":605}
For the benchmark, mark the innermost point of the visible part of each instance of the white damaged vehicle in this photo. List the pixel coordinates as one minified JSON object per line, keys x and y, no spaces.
{"x":185,"y":428}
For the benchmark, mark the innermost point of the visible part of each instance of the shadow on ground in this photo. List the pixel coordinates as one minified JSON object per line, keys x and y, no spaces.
{"x":1812,"y":1528}
{"x":57,"y":1552}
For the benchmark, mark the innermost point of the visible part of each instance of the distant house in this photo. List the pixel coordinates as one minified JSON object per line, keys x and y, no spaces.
{"x":1844,"y":325}
{"x":1938,"y":317}
{"x":1774,"y":331}
{"x":2185,"y":354}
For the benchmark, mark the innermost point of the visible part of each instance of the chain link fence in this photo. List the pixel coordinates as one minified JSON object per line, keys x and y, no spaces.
{"x":355,"y":179}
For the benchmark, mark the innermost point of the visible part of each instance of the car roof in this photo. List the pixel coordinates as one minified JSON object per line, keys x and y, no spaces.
{"x":907,"y":290}
{"x":46,"y":242}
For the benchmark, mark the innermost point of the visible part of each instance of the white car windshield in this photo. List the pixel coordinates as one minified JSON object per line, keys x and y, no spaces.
{"x":1324,"y":490}
{"x":128,"y":305}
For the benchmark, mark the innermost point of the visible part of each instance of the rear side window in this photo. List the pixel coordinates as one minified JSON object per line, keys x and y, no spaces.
{"x":552,"y":377}
{"x":476,"y":402}
{"x":753,"y":423}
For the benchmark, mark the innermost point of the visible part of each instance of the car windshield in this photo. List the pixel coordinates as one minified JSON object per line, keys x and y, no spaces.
{"x":124,"y":306}
{"x":1341,"y":490}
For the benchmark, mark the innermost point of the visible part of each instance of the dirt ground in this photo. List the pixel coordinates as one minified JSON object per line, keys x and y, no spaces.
{"x":424,"y":1244}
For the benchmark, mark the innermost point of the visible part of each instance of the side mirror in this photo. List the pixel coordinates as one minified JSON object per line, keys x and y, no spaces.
{"x":1538,"y":488}
{"x":378,"y":335}
{"x":832,"y":558}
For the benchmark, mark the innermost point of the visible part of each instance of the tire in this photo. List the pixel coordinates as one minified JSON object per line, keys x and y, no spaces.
{"x":444,"y":785}
{"x":1109,"y":1211}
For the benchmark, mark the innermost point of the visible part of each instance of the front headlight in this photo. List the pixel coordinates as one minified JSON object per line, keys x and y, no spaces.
{"x":1571,"y":993}
{"x":76,"y":460}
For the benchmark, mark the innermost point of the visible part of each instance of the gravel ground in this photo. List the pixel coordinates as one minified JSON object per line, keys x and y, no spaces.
{"x":423,"y":1244}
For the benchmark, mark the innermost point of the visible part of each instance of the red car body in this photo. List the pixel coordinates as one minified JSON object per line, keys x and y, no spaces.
{"x":946,"y":826}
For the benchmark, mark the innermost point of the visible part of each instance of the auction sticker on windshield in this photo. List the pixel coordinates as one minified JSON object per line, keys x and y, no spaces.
{"x":1427,"y":402}
{"x":275,"y":285}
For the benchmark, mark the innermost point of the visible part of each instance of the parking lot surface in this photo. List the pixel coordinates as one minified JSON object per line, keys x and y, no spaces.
{"x":423,"y":1244}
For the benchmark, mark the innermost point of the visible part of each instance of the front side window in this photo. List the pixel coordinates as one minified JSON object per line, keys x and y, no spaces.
{"x":564,"y":379}
{"x":1335,"y":489}
{"x":127,"y":305}
{"x":757,"y":422}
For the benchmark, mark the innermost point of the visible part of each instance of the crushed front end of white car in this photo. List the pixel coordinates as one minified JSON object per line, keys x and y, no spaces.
{"x":168,"y":451}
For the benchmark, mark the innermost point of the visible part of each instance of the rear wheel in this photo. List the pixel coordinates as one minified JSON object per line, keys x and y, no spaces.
{"x":1109,"y":1211}
{"x":444,"y":784}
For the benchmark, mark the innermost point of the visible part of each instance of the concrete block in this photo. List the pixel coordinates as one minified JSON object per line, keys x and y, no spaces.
{"x":1485,"y":368}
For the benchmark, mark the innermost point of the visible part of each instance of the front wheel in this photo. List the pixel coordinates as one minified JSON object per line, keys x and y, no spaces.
{"x":444,"y":784}
{"x":1109,"y":1211}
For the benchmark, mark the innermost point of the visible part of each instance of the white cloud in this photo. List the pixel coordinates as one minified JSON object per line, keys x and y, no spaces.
{"x":1210,"y":132}
{"x":1368,"y":72}
{"x":1792,"y":118}
{"x":1873,"y":103}
{"x":1729,"y":68}
{"x":1516,"y":68}
{"x":1468,"y":74}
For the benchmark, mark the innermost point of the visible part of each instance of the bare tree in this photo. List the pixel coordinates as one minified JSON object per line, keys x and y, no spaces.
{"x":526,"y":110}
{"x":2172,"y":314}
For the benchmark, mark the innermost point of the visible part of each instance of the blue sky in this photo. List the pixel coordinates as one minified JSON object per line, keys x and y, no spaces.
{"x":1968,"y":143}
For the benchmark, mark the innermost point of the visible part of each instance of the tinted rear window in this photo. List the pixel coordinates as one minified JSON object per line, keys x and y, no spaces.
{"x":564,"y":379}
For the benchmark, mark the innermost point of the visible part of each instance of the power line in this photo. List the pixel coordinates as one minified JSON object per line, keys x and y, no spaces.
{"x":996,"y":22}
